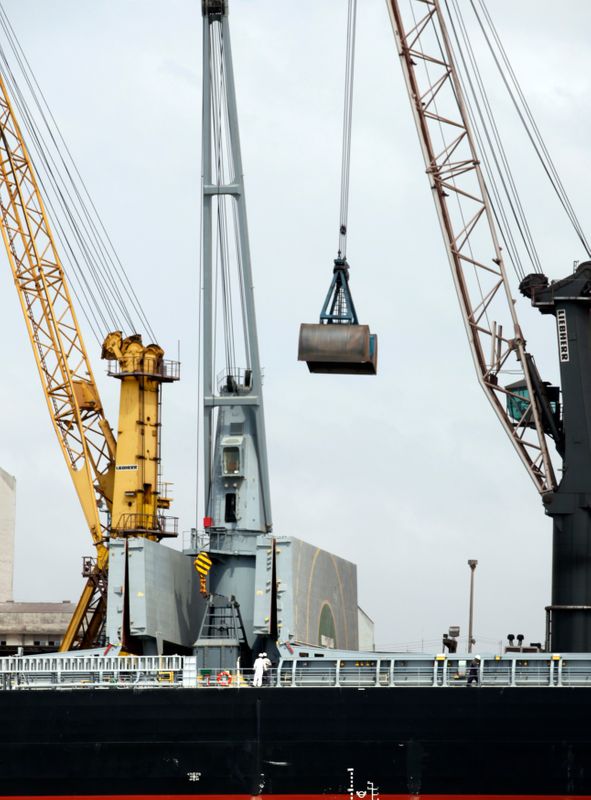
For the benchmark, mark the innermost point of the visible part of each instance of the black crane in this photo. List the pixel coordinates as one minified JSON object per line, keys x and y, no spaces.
{"x":529,"y":408}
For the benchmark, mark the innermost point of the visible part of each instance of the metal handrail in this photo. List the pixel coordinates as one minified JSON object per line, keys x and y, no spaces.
{"x":54,"y":671}
{"x":158,"y":524}
{"x":163,"y":369}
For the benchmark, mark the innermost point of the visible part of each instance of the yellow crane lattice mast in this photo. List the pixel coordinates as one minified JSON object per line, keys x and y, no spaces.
{"x":66,"y":375}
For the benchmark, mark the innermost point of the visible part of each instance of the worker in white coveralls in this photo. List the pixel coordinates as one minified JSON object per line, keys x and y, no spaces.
{"x":259,"y":670}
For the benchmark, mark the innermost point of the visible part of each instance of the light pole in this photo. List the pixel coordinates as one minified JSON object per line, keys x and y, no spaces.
{"x":472,"y":563}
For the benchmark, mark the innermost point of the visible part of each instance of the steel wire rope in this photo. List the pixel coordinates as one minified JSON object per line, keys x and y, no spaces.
{"x":29,"y":125}
{"x":199,"y":417}
{"x":232,"y":177}
{"x":242,"y":287}
{"x":532,"y":131}
{"x":221,"y":259}
{"x":347,"y":126}
{"x":232,"y":225}
{"x":88,"y":308}
{"x":498,"y":207}
{"x":39,"y":147}
{"x":471,"y":119}
{"x":200,"y":398}
{"x":213,"y":377}
{"x":558,"y":186}
{"x":70,"y":207}
{"x":219,"y":239}
{"x":215,"y":201}
{"x":496,"y":149}
{"x":200,"y":360}
{"x":65,"y":240}
{"x":215,"y":243}
{"x":110,"y":250}
{"x":227,"y":288}
{"x":445,"y":144}
{"x":223,"y":176}
{"x":42,"y":349}
{"x":493,"y":193}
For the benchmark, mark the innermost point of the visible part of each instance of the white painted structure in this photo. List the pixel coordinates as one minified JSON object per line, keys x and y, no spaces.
{"x":7,"y":524}
{"x":366,"y":630}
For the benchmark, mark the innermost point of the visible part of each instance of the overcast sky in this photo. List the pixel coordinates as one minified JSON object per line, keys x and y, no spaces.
{"x":408,"y":474}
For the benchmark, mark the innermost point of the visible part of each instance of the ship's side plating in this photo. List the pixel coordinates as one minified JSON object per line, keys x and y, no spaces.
{"x":333,"y":723}
{"x":393,"y":724}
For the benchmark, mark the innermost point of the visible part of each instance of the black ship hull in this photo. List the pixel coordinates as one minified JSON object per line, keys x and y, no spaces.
{"x":298,"y":743}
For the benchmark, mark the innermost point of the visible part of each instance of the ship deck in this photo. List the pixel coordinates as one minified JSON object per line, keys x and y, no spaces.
{"x":307,"y":669}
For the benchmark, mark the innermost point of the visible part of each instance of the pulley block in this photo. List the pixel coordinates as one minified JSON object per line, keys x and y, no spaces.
{"x":214,"y":8}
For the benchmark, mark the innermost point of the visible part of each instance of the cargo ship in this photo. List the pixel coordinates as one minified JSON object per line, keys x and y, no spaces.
{"x":329,"y":725}
{"x":164,"y":696}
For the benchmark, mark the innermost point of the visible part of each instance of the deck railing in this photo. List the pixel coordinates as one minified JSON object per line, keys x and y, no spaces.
{"x":396,"y":671}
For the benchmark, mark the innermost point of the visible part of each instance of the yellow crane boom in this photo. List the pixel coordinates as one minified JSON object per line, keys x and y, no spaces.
{"x":66,"y":375}
{"x":126,"y":476}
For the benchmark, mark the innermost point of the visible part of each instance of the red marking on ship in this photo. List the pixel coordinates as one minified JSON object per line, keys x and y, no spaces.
{"x":299,"y":796}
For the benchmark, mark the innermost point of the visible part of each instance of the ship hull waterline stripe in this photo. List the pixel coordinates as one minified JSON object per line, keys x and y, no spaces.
{"x":299,"y":796}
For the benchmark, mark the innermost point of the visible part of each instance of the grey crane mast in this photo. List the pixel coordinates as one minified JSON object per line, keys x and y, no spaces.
{"x":529,"y":409}
{"x":215,"y":13}
{"x":237,"y":495}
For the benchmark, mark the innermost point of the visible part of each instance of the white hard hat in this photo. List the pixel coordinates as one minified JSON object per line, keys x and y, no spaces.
{"x":264,"y":655}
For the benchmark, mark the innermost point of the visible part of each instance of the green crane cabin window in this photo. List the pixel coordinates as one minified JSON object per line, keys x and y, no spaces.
{"x":231,"y":461}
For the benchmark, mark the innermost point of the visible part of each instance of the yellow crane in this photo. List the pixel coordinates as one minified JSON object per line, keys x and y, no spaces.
{"x":122,"y":474}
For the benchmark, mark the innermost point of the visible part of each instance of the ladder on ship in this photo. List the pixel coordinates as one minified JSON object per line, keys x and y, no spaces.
{"x":222,"y":640}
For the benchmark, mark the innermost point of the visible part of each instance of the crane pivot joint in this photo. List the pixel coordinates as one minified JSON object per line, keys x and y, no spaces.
{"x":214,"y":9}
{"x":532,"y":283}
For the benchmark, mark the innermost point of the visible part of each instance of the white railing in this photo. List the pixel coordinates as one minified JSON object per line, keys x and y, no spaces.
{"x":76,"y":672}
{"x":395,"y":671}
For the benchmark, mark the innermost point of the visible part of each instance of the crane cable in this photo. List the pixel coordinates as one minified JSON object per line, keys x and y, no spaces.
{"x":525,"y":114}
{"x":223,"y":169}
{"x":492,"y":151}
{"x":500,"y":179}
{"x":95,"y":314}
{"x":92,"y":244}
{"x":347,"y":124}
